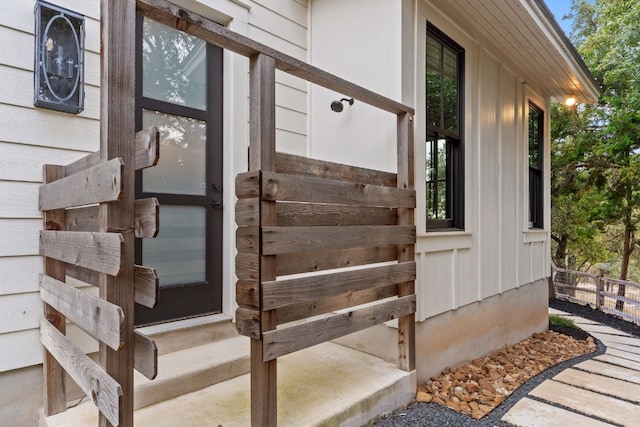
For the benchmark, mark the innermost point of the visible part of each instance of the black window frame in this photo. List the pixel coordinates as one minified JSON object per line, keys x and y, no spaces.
{"x":454,"y":172}
{"x":535,"y":139}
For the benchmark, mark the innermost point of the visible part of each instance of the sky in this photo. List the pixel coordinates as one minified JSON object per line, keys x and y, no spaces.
{"x":559,"y":8}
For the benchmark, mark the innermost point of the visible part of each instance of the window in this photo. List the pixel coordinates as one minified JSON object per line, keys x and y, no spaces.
{"x":444,"y":162}
{"x":536,"y":162}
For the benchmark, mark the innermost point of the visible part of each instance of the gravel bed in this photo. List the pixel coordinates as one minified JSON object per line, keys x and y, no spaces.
{"x":434,"y":415}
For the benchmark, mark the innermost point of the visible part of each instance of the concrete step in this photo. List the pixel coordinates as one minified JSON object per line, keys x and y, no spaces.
{"x":327,"y":384}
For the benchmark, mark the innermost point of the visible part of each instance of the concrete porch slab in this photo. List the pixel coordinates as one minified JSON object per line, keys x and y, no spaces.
{"x":325,"y":385}
{"x":531,"y":413}
{"x":600,"y":384}
{"x":589,"y":403}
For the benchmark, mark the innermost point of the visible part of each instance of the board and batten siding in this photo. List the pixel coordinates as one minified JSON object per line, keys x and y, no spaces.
{"x":496,"y":252}
{"x":31,"y":137}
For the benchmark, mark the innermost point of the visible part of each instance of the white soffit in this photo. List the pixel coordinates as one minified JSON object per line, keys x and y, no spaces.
{"x":527,"y":34}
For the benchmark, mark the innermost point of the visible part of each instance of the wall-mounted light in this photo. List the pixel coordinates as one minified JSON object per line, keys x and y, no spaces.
{"x":338,"y":106}
{"x":570,"y":101}
{"x":59,"y":58}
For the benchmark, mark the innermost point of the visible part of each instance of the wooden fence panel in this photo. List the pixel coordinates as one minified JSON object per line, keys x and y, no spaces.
{"x":286,"y":340}
{"x":306,"y":262}
{"x":100,"y":319}
{"x":97,"y":251}
{"x":145,"y":357}
{"x":103,"y":390}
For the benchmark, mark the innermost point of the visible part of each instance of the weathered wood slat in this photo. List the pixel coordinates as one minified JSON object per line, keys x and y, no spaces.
{"x":248,"y":185}
{"x":248,"y":294}
{"x":94,"y":382}
{"x":247,"y":266}
{"x":101,"y":183}
{"x":196,"y":25}
{"x":248,"y":212}
{"x":55,"y":396}
{"x":310,"y":214}
{"x":279,"y":240}
{"x":298,"y":165}
{"x":248,"y":239}
{"x":145,"y":282}
{"x":248,"y":322}
{"x":286,"y":340}
{"x":279,"y":293}
{"x":146,"y":212}
{"x":100,"y":319}
{"x":145,"y":356}
{"x":305,"y":310}
{"x":147,"y":146}
{"x":147,"y":217}
{"x":296,"y":188}
{"x":326,"y":260}
{"x":101,"y":252}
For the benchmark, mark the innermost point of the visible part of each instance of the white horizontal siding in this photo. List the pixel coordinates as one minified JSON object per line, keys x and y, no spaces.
{"x":19,"y":162}
{"x":19,"y":200}
{"x":19,"y":274}
{"x":19,"y":312}
{"x":19,"y":237}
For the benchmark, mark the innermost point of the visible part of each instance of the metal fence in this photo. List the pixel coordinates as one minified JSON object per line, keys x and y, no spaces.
{"x":602,"y":293}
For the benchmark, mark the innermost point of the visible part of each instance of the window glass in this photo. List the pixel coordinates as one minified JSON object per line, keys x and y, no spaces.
{"x":178,"y":252}
{"x":434,"y":65}
{"x":536,"y":189}
{"x":174,"y":66}
{"x":181,"y":168}
{"x":436,"y":168}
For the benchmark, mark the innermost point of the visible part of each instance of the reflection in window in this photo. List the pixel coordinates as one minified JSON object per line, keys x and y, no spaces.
{"x":444,"y":148}
{"x":174,"y":66}
{"x":181,"y":168}
{"x":536,"y":144}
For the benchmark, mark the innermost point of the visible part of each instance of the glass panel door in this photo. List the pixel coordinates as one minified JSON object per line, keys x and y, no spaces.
{"x":179,"y":89}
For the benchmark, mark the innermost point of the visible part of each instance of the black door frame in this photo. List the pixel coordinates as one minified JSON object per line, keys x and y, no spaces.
{"x":181,"y":301}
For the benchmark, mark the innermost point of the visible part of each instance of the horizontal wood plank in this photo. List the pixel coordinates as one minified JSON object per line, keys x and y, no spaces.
{"x":280,"y":293}
{"x":286,"y":340}
{"x":247,"y":266}
{"x":101,"y":183}
{"x":248,"y":239}
{"x":145,"y":355}
{"x":248,"y":322}
{"x":311,"y":214}
{"x":248,"y":185}
{"x":304,"y":262}
{"x":147,"y":148}
{"x":146,"y":212}
{"x":101,"y":252}
{"x":248,"y":294}
{"x":295,"y":188}
{"x":103,"y":390}
{"x":309,"y":309}
{"x":145,"y":282}
{"x":299,"y":165}
{"x":248,"y":212}
{"x":99,"y":318}
{"x":147,"y":217}
{"x":147,"y":143}
{"x":280,"y":240}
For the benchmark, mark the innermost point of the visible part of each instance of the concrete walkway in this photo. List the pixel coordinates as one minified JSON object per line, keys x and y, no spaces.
{"x":603,"y":391}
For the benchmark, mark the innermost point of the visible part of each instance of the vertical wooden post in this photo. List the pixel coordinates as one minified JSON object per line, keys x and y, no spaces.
{"x":55,"y":397}
{"x":406,"y":324}
{"x":599,"y":289}
{"x":117,"y":135}
{"x":262,"y":129}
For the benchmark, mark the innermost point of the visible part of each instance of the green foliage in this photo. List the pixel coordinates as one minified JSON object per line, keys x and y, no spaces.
{"x":562,"y":321}
{"x":596,"y":149}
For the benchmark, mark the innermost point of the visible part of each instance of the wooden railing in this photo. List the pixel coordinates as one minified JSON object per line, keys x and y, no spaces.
{"x":599,"y":291}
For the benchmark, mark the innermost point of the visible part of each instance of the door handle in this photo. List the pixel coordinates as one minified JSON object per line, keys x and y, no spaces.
{"x":215,"y":205}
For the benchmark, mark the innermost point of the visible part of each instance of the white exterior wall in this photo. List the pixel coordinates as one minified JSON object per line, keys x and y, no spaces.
{"x":496,"y":252}
{"x":31,"y":137}
{"x":364,"y":41}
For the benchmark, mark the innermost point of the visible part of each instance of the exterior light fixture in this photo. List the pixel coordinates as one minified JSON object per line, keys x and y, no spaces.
{"x":338,"y":106}
{"x":570,"y":101}
{"x":59,"y":58}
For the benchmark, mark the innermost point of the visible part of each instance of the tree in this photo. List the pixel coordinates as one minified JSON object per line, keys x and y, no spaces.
{"x":607,"y":34}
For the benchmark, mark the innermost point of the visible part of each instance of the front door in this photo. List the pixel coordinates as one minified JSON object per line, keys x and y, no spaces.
{"x":179,"y":90}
